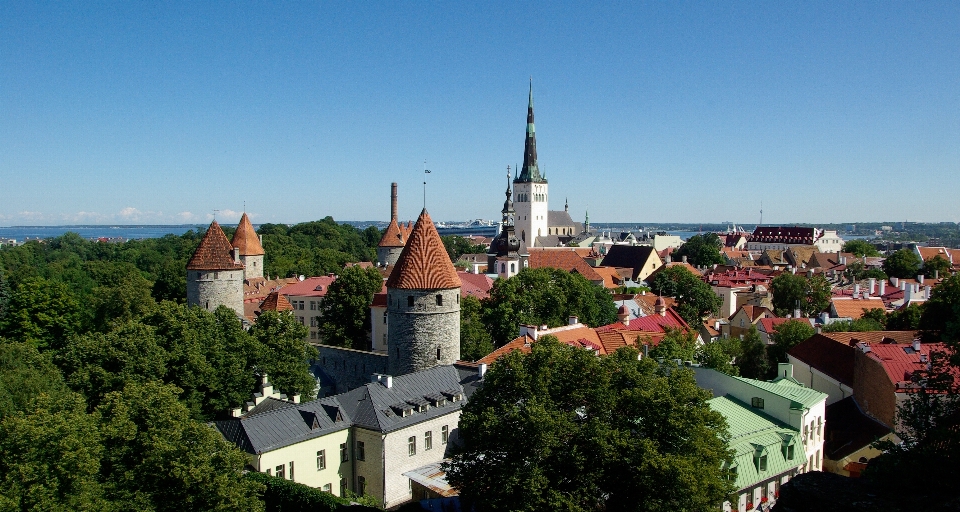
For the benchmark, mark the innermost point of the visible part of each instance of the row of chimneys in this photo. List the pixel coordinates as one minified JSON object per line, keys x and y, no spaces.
{"x":387,"y":380}
{"x":266,"y":391}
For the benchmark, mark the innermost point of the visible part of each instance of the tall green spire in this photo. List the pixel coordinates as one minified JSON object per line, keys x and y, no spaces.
{"x":530,"y":172}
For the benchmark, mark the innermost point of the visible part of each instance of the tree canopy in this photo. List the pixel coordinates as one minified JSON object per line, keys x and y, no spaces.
{"x":561,"y":429}
{"x":753,"y":362}
{"x":475,"y":339}
{"x":786,"y":336}
{"x":346,"y":308}
{"x":904,"y":264}
{"x":701,"y":250}
{"x":695,"y":299}
{"x":791,"y":291}
{"x":860,"y":248}
{"x":544,"y":296}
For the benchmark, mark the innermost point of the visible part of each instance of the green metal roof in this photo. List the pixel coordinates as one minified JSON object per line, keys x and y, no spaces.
{"x":803,"y":397}
{"x":752,"y":432}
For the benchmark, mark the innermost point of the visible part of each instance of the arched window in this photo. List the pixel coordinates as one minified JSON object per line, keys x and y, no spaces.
{"x":513,"y":268}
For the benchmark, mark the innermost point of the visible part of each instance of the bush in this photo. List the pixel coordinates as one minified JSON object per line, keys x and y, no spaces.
{"x":288,"y":496}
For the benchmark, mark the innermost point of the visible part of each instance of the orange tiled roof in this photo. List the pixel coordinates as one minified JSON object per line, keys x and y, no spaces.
{"x":424,"y":263}
{"x":870,"y":337}
{"x":610,"y":276}
{"x":565,"y":260}
{"x":214,"y":252}
{"x":394,"y":235}
{"x":275,"y":301}
{"x":246,"y":239}
{"x":854,"y":308}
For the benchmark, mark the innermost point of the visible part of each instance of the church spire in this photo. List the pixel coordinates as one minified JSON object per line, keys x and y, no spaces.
{"x":530,"y":172}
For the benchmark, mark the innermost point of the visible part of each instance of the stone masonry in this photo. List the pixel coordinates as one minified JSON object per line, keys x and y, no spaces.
{"x":424,"y":329}
{"x":211,"y":288}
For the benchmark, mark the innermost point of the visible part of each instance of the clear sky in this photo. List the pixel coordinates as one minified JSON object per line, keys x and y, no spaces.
{"x":126,"y":112}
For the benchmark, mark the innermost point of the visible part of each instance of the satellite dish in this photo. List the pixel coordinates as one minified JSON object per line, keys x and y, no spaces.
{"x":302,"y":277}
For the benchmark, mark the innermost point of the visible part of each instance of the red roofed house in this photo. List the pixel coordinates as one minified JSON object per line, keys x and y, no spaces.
{"x":746,"y":317}
{"x":843,"y":307}
{"x":306,"y":297}
{"x":565,"y":260}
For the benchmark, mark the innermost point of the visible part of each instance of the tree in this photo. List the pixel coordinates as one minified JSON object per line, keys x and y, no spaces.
{"x":694,"y":297}
{"x":753,"y":362}
{"x":42,"y":312}
{"x":904,"y":319}
{"x":346,"y":308}
{"x":941,"y":313}
{"x":676,"y":344}
{"x":475,"y":340}
{"x":935,"y":266}
{"x":157,"y":458}
{"x":26,"y":374}
{"x":791,"y":291}
{"x":701,"y":250}
{"x":904,"y":264}
{"x":560,"y":429}
{"x":544,"y":296}
{"x":457,"y":246}
{"x":857,"y":271}
{"x":860,"y":248}
{"x":859,"y":325}
{"x":720,"y":354}
{"x":284,"y":354}
{"x":786,"y":336}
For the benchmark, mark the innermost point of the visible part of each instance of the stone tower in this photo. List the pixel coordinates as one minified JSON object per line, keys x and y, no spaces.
{"x":251,"y":249}
{"x":530,"y":188}
{"x":505,"y":258}
{"x":395,"y":236}
{"x":215,"y":273}
{"x":423,"y":304}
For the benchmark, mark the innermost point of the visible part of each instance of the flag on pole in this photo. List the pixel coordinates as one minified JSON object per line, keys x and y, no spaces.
{"x":426,"y":171}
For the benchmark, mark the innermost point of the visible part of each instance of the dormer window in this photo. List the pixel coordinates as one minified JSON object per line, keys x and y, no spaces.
{"x":756,"y":402}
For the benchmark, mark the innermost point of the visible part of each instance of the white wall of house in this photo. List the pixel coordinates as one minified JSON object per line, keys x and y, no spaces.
{"x":378,"y":329}
{"x":303,"y":457}
{"x":815,"y":379}
{"x":398,"y":459}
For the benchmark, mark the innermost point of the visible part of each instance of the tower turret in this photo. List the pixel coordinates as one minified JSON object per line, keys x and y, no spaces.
{"x":251,"y":248}
{"x":423,"y":303}
{"x":215,"y":273}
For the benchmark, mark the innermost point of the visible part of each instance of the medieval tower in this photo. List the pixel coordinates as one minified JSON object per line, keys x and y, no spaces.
{"x":530,"y":188}
{"x":394,"y":237}
{"x":215,"y":273}
{"x":423,"y":303}
{"x":505,"y":256}
{"x":251,"y":249}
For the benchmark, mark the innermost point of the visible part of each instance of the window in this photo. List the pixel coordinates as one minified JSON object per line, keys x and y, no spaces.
{"x":384,"y":317}
{"x":313,"y":305}
{"x":412,"y":446}
{"x":762,"y":463}
{"x":410,"y":301}
{"x":444,"y":434}
{"x":279,"y":470}
{"x":790,"y":452}
{"x":291,"y":470}
{"x":361,"y":453}
{"x":313,"y":335}
{"x":321,"y":460}
{"x":756,"y":402}
{"x":327,"y":487}
{"x":343,"y":487}
{"x":438,"y":353}
{"x":268,"y":471}
{"x":439,"y":299}
{"x":361,"y":485}
{"x":428,"y":440}
{"x":343,"y":452}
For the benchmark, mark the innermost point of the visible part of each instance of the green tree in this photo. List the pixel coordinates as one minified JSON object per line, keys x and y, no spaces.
{"x":701,"y":250}
{"x":346,"y":308}
{"x":720,"y":354}
{"x":42,"y":312}
{"x":753,"y":362}
{"x":475,"y":340}
{"x":860,"y":248}
{"x":904,"y":264}
{"x":157,"y":458}
{"x":544,"y":296}
{"x":786,"y":336}
{"x":857,"y":271}
{"x":941,"y":313}
{"x":676,"y":344}
{"x":935,"y":266}
{"x":791,"y":291}
{"x":694,"y":297}
{"x":457,"y":246}
{"x":859,"y":325}
{"x":904,"y":319}
{"x":560,"y":429}
{"x":285,"y":355}
{"x":25,"y":374}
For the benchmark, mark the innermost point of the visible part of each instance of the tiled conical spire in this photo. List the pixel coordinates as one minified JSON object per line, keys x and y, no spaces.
{"x":246,"y":238}
{"x":424,"y":263}
{"x":214,"y":252}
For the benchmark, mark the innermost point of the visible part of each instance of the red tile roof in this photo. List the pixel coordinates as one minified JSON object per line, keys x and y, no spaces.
{"x":214,"y":252}
{"x":379,"y":300}
{"x":565,"y":260}
{"x":768,"y":325}
{"x":309,"y":287}
{"x":900,"y":361}
{"x":246,"y":239}
{"x":393,"y":236}
{"x":475,"y":285}
{"x":854,"y":308}
{"x":871,"y":337}
{"x":424,"y":263}
{"x":650,"y":323}
{"x":275,"y":302}
{"x":610,"y":276}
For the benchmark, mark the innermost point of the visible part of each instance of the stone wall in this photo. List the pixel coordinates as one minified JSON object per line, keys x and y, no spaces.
{"x":210,"y":289}
{"x":350,"y":368}
{"x":252,"y":266}
{"x":424,"y":329}
{"x":388,"y":255}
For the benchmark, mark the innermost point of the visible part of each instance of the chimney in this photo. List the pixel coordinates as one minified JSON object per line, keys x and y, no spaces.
{"x":573,"y":320}
{"x":236,"y":412}
{"x":920,"y":278}
{"x":864,"y":347}
{"x":384,"y":379}
{"x":236,"y":255}
{"x":856,"y":290}
{"x":684,"y":258}
{"x":883,"y":287}
{"x":895,"y":281}
{"x":296,"y":398}
{"x":796,"y":313}
{"x":916,"y":345}
{"x":785,"y":370}
{"x":907,"y":295}
{"x":926,"y":292}
{"x":646,"y":350}
{"x":936,"y":274}
{"x":393,"y":201}
{"x":482,"y":370}
{"x":873,"y":285}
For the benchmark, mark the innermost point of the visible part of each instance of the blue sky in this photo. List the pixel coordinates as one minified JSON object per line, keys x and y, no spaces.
{"x":646,"y":112}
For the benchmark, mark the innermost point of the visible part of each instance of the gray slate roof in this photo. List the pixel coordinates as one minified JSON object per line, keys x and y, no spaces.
{"x":371,"y":406}
{"x":561,"y":218}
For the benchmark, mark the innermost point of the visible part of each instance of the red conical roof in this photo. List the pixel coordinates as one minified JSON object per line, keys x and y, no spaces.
{"x":214,"y":252}
{"x":393,"y":236}
{"x":424,"y":263}
{"x":246,"y":238}
{"x":276,"y":302}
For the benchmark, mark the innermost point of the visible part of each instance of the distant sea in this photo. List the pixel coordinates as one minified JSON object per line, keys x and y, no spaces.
{"x":21,"y":233}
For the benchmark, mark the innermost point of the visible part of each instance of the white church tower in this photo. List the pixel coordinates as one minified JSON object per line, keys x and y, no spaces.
{"x":530,"y":193}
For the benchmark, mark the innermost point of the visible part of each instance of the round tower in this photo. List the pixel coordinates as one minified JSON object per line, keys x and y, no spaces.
{"x":251,"y":249}
{"x":423,"y":304}
{"x":394,"y":238}
{"x":215,"y":273}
